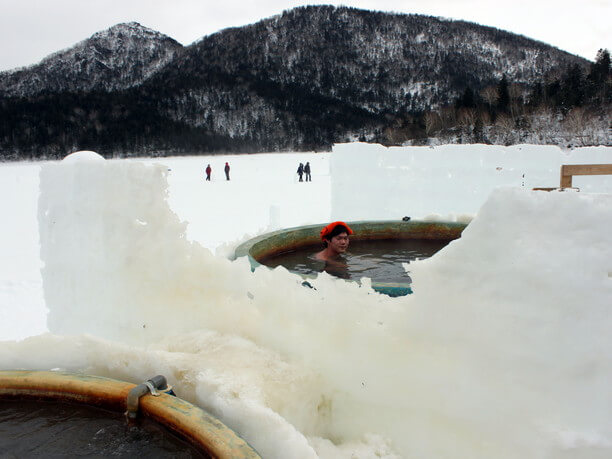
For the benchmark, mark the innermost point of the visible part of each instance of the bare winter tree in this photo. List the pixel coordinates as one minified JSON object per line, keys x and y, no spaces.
{"x":517,"y":100}
{"x":489,"y":95}
{"x":448,"y":117}
{"x":433,"y":122}
{"x":505,"y":128}
{"x":575,"y":123}
{"x":485,"y":117}
{"x":467,"y":118}
{"x":545,"y":125}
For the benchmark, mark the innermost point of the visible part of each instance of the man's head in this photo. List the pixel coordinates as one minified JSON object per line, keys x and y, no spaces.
{"x":336,"y":236}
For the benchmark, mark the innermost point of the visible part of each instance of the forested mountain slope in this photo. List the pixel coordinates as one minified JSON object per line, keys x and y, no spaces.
{"x":304,"y":79}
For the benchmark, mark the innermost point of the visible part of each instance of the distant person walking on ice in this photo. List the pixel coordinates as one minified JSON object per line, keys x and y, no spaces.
{"x":300,"y":171}
{"x":227,"y":169}
{"x":307,"y":172}
{"x":208,"y":171}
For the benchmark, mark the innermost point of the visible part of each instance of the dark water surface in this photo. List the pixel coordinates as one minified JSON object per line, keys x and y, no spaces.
{"x":51,"y":429}
{"x":380,"y":260}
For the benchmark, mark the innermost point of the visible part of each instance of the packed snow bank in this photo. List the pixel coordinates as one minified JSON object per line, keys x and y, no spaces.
{"x":136,"y":269}
{"x":372,"y":182}
{"x":22,"y":309}
{"x":501,"y":352}
{"x":515,"y":320}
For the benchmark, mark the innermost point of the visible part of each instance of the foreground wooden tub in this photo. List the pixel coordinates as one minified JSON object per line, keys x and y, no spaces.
{"x":187,"y":421}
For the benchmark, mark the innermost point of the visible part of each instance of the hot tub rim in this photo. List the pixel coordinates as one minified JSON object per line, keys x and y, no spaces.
{"x":375,"y":229}
{"x":187,"y":421}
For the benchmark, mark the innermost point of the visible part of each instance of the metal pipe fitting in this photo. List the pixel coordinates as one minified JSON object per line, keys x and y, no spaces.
{"x":150,"y":385}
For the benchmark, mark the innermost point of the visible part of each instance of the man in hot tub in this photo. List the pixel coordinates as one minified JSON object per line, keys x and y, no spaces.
{"x":335,"y":237}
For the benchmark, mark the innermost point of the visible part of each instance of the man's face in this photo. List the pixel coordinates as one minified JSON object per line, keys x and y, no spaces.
{"x":339,"y":243}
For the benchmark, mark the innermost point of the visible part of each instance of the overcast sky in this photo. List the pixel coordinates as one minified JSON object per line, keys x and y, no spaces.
{"x":33,"y":29}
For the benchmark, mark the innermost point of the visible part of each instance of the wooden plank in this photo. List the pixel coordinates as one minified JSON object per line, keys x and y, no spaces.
{"x":555,"y":189}
{"x":566,"y":179}
{"x":586,"y":169}
{"x":568,"y":170}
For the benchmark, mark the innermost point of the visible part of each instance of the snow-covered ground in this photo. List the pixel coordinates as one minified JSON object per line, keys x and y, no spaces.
{"x":502,"y":351}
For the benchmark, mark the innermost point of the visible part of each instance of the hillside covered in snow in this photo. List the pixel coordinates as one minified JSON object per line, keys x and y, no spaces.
{"x":302,"y":80}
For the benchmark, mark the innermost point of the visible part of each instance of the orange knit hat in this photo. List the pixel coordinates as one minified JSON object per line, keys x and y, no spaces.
{"x":329,"y":228}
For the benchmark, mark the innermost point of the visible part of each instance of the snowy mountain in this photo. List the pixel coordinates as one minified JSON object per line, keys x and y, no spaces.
{"x":302,"y":80}
{"x":118,"y":58}
{"x":379,"y":62}
{"x":318,"y":74}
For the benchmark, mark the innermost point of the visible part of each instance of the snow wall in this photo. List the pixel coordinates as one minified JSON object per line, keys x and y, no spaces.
{"x":502,"y":351}
{"x":372,"y":182}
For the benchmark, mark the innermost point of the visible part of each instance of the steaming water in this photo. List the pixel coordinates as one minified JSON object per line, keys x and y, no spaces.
{"x":500,"y":352}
